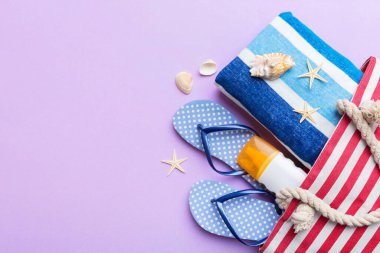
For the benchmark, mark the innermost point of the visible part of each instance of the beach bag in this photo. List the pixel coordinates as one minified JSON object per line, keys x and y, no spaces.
{"x":346,"y":177}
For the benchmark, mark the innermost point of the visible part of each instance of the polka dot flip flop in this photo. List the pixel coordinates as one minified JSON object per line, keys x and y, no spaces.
{"x":224,"y":211}
{"x":208,"y":126}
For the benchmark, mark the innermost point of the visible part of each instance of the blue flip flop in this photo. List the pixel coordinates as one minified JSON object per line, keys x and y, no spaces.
{"x":224,"y":211}
{"x":211,"y":128}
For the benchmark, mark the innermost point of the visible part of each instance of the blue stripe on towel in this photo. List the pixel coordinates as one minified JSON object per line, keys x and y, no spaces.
{"x":272,"y":111}
{"x":333,"y":56}
{"x":322,"y":95}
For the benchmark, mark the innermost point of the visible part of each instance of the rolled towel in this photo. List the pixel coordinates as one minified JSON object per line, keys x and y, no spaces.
{"x":273,"y":103}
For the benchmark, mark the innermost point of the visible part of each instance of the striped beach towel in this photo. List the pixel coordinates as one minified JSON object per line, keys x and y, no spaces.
{"x":345,"y":176}
{"x":272,"y":102}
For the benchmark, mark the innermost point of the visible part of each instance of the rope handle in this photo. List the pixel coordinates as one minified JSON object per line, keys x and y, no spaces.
{"x":362,"y":117}
{"x":302,"y":217}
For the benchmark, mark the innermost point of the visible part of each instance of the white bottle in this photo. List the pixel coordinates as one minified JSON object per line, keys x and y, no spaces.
{"x":269,"y":166}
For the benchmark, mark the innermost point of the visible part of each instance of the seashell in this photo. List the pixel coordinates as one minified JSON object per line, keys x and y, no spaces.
{"x":208,"y":68}
{"x":184,"y":82}
{"x":271,"y":66}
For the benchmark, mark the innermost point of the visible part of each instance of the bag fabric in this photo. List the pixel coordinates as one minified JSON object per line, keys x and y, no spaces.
{"x":272,"y":102}
{"x":345,"y":176}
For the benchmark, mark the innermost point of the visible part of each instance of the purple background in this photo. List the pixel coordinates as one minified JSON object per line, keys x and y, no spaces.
{"x":86,"y":100}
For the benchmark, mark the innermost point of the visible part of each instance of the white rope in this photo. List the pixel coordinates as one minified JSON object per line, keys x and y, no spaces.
{"x":366,"y":114}
{"x":302,"y":217}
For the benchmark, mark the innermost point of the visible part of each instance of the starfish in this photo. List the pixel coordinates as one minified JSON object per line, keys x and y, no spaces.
{"x":313,"y":74}
{"x":175,"y":164}
{"x":306,"y":113}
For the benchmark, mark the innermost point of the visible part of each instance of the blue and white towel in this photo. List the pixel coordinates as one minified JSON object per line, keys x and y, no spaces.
{"x":272,"y":102}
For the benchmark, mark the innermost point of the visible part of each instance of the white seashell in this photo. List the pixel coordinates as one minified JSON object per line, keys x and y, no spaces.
{"x":271,"y":66}
{"x":184,"y":82}
{"x":208,"y":68}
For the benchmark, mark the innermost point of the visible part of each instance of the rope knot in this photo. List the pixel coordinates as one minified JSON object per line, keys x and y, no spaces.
{"x":371,"y":111}
{"x":302,"y":217}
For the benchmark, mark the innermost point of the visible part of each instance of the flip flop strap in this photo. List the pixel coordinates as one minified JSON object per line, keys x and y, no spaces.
{"x":219,"y":205}
{"x":204,"y":131}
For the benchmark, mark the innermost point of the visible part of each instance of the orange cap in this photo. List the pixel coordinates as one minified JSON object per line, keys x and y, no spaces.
{"x":256,"y":156}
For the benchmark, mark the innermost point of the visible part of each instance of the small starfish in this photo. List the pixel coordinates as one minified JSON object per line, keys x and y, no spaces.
{"x":313,"y":74}
{"x":306,"y":113}
{"x":175,"y":164}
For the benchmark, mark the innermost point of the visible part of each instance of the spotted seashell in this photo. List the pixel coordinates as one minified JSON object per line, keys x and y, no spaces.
{"x":271,"y":66}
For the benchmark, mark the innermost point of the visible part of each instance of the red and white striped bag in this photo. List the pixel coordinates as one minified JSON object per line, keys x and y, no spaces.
{"x":347,"y":178}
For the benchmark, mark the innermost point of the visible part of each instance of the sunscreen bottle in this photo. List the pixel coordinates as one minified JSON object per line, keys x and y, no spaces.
{"x":269,"y":166}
